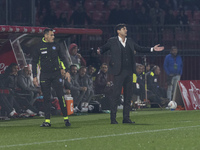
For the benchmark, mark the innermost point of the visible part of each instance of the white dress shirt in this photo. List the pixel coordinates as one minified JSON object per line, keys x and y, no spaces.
{"x":124,"y":43}
{"x":121,"y":41}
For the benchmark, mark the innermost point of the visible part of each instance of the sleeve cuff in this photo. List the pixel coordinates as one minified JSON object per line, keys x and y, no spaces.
{"x":151,"y":49}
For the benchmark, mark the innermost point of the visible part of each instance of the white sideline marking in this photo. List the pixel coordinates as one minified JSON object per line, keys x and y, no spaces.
{"x":96,"y":137}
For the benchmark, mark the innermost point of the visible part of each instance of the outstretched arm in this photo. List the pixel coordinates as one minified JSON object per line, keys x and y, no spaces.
{"x":104,"y":48}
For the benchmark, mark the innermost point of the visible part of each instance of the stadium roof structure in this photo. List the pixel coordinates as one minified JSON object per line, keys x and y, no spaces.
{"x":17,"y":40}
{"x":8,"y":32}
{"x":27,"y":29}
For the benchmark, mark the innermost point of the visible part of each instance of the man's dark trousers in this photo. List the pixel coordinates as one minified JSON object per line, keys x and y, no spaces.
{"x":53,"y":79}
{"x":124,"y":79}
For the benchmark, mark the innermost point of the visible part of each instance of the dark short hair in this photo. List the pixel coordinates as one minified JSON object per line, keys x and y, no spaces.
{"x":119,"y":27}
{"x":173,"y":47}
{"x":72,"y":66}
{"x":46,"y":31}
{"x":9,"y":68}
{"x":82,"y":67}
{"x":90,"y":67}
{"x":104,"y":64}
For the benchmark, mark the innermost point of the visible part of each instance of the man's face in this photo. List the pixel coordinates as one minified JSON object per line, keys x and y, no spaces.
{"x":157,"y":71}
{"x":75,"y":50}
{"x":174,"y":51}
{"x":14,"y":70}
{"x":139,"y":69}
{"x":104,"y":68}
{"x":63,"y":72}
{"x":74,"y":70}
{"x":26,"y":71}
{"x":49,"y":37}
{"x":122,"y":32}
{"x":91,"y":70}
{"x":143,"y":68}
{"x":148,"y":68}
{"x":82,"y":72}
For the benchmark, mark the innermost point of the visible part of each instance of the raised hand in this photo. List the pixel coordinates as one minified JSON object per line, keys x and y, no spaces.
{"x":158,"y":48}
{"x":98,"y":51}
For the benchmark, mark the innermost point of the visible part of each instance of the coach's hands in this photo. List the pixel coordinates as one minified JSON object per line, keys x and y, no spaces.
{"x":158,"y":48}
{"x":98,"y":51}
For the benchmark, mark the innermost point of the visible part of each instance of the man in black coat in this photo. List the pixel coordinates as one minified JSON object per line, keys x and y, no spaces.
{"x":122,"y":66}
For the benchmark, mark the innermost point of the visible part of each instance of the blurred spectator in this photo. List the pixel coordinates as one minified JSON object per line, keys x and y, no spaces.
{"x":50,"y":19}
{"x":77,"y":91}
{"x":166,"y":5}
{"x":139,"y":84}
{"x":156,"y":94}
{"x":62,"y":20}
{"x":90,"y":72}
{"x":157,"y":21}
{"x":143,"y":20}
{"x":25,"y":83}
{"x":43,"y":4}
{"x":114,"y":15}
{"x":170,"y":19}
{"x":7,"y":107}
{"x":102,"y":83}
{"x":66,"y":82}
{"x":125,"y":15}
{"x":173,"y":66}
{"x":16,"y":97}
{"x":182,"y":20}
{"x":5,"y":103}
{"x":79,"y":17}
{"x":11,"y":76}
{"x":143,"y":17}
{"x":94,"y":60}
{"x":83,"y":81}
{"x":76,"y":58}
{"x":192,"y":5}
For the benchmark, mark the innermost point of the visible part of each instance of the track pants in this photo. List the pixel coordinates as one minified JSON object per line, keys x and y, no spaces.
{"x":53,"y":79}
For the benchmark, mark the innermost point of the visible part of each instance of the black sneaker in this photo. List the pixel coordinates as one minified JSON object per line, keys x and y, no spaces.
{"x":45,"y":124}
{"x":114,"y":122}
{"x":67,"y":123}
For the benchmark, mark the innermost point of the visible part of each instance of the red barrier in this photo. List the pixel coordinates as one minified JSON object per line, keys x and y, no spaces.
{"x":187,"y":93}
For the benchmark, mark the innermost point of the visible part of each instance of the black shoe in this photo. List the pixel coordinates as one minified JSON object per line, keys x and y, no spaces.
{"x":67,"y":123}
{"x":128,"y":121}
{"x":45,"y":124}
{"x":114,"y":122}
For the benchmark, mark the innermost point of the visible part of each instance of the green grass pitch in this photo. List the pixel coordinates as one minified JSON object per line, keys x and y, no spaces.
{"x":155,"y":129}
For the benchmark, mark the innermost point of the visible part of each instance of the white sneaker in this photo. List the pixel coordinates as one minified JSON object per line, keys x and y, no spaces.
{"x":13,"y":113}
{"x":30,"y":112}
{"x":41,"y":114}
{"x":84,"y":109}
{"x":90,"y":107}
{"x":76,"y":110}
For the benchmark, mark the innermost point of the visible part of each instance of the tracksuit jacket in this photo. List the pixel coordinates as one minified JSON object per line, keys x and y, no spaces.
{"x":49,"y":56}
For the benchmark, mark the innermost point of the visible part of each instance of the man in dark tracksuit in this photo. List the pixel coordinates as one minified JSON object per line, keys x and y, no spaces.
{"x":49,"y":54}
